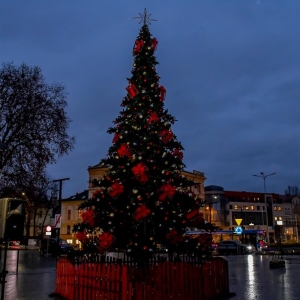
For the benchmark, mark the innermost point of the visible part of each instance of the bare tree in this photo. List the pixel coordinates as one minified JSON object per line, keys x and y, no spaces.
{"x":33,"y":123}
{"x":292,"y":191}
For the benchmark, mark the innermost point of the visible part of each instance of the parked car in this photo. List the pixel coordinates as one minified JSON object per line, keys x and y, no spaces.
{"x":231,"y":247}
{"x":54,"y":247}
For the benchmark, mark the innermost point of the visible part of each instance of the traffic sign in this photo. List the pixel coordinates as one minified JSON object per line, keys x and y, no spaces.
{"x":48,"y":228}
{"x":238,"y":230}
{"x":238,"y":221}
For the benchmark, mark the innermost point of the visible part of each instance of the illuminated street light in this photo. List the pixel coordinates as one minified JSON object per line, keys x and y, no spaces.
{"x":264,"y":178}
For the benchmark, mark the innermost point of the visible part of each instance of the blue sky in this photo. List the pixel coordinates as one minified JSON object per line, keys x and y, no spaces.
{"x":231,"y":70}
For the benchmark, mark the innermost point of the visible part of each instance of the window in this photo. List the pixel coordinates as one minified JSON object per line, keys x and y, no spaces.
{"x":236,"y":207}
{"x":68,"y":229}
{"x":69,"y":214}
{"x":79,"y":214}
{"x":258,"y":207}
{"x":275,"y":218}
{"x":230,"y":206}
{"x":252,"y":207}
{"x":279,"y":208}
{"x":275,"y":207}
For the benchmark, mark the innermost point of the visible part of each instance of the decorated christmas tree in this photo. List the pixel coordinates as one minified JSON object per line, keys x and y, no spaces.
{"x":143,"y":202}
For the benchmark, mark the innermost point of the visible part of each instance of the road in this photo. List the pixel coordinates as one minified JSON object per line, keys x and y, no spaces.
{"x":35,"y":278}
{"x":250,"y":277}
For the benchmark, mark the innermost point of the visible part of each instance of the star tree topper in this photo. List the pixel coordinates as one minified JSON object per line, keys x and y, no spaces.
{"x":144,"y":18}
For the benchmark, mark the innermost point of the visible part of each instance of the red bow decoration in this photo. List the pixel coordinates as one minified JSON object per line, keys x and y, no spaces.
{"x":132,"y":90}
{"x":81,"y":236}
{"x":173,"y":237}
{"x":116,"y":137}
{"x":194,"y":217}
{"x":166,"y":135}
{"x":88,"y":216}
{"x":178,"y":153}
{"x":163,"y":92}
{"x":123,"y":151}
{"x":116,"y":189}
{"x":96,"y":194}
{"x":154,"y":43}
{"x":141,"y":212}
{"x":167,"y":191}
{"x":138,"y":45}
{"x":139,"y":172}
{"x":153,"y":118}
{"x":105,"y":240}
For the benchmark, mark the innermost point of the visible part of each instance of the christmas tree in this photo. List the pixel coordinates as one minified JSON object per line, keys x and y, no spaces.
{"x":143,"y":201}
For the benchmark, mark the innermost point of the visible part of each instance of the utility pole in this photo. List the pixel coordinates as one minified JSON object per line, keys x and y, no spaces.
{"x":57,"y":230}
{"x":265,"y":200}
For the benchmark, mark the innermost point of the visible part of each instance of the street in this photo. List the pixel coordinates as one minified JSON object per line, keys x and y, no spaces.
{"x":35,"y":278}
{"x":250,"y":277}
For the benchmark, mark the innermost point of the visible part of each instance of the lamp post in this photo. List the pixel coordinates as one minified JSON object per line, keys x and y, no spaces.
{"x":57,"y":230}
{"x":263,"y":176}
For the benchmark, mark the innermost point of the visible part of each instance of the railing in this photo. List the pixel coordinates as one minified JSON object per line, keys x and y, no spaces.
{"x":117,"y":279}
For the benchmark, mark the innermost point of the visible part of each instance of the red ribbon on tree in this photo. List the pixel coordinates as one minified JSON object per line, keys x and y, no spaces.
{"x":116,"y":137}
{"x":166,"y":135}
{"x":139,"y":172}
{"x":154,"y":43}
{"x":194,"y":217}
{"x":132,"y":90}
{"x":123,"y":151}
{"x":105,"y":241}
{"x":141,"y":212}
{"x":88,"y":216}
{"x":178,"y":153}
{"x":163,"y":92}
{"x":81,"y":236}
{"x":167,"y":190}
{"x":205,"y":240}
{"x":153,"y":118}
{"x":173,"y":237}
{"x":138,"y":45}
{"x":116,"y":189}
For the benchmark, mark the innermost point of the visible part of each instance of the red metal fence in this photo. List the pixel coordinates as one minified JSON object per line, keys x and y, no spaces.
{"x":113,"y":280}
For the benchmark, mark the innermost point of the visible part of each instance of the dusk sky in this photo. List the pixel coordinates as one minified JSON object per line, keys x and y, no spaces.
{"x":231,"y":70}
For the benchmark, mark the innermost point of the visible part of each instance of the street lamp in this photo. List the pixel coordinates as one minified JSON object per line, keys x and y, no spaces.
{"x":57,"y":230}
{"x":264,"y":178}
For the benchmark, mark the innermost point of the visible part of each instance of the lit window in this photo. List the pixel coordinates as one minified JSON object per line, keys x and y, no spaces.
{"x":79,"y":214}
{"x":275,"y":218}
{"x":252,"y":207}
{"x":279,"y":208}
{"x":246,"y":207}
{"x":275,"y":207}
{"x":236,"y":207}
{"x":280,"y":218}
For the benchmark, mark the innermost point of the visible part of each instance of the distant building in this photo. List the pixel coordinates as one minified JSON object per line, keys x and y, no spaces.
{"x":224,"y":207}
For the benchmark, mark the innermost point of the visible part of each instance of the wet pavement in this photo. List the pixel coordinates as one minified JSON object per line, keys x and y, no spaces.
{"x":34,"y":279}
{"x":250,"y":277}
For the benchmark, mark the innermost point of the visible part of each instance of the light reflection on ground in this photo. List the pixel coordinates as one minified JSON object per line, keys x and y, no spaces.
{"x":251,"y":278}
